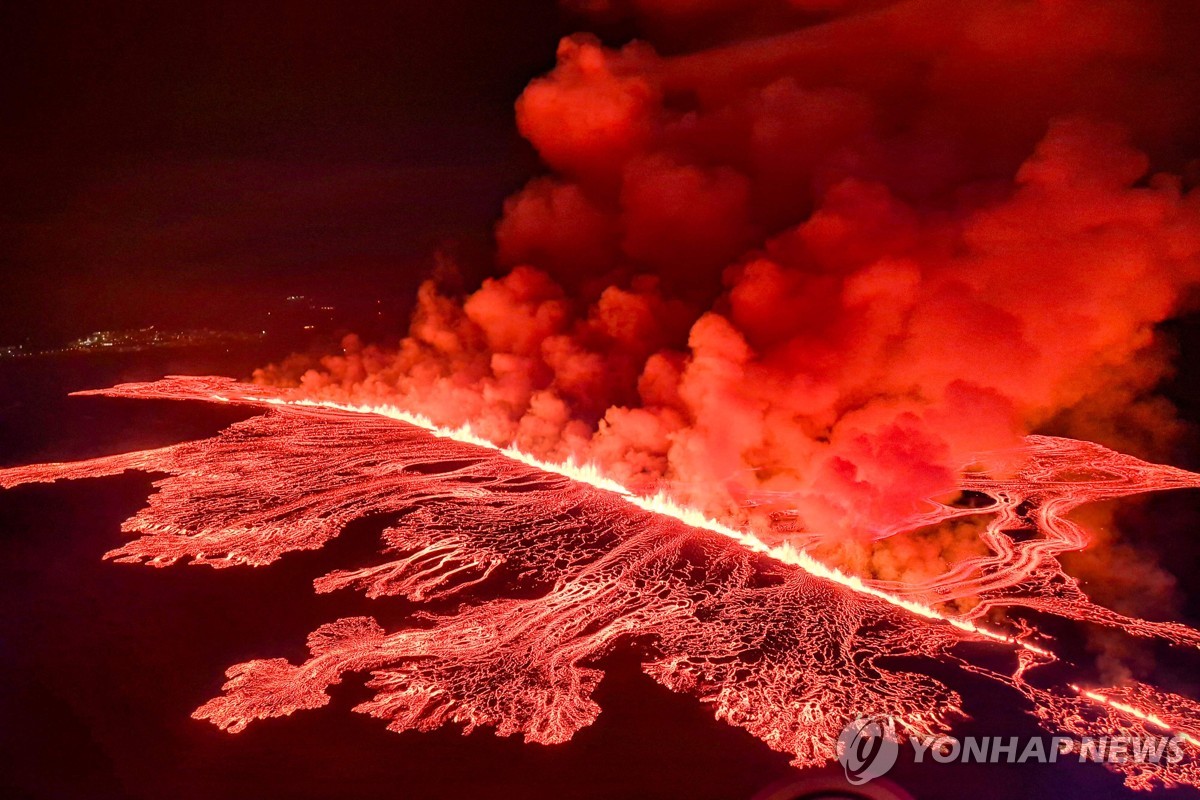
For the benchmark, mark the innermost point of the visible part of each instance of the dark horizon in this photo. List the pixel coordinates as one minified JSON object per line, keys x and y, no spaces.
{"x":169,"y":162}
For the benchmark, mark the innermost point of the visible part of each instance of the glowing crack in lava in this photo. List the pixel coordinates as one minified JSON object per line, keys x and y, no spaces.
{"x":555,"y":566}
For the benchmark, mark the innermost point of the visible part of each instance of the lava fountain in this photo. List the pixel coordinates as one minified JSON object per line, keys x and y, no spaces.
{"x":555,"y":565}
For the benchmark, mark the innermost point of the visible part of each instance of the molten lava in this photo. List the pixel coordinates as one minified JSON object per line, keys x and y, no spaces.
{"x":556,"y":565}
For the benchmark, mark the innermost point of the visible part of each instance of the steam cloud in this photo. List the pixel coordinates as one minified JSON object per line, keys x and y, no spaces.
{"x":809,"y":257}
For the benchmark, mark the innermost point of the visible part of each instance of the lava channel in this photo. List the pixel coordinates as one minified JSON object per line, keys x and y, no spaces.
{"x":553,"y":566}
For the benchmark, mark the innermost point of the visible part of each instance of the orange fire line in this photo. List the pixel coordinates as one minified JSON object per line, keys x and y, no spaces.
{"x":663,"y":505}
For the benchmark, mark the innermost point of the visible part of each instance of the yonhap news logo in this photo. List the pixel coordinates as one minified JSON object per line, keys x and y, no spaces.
{"x":869,"y":747}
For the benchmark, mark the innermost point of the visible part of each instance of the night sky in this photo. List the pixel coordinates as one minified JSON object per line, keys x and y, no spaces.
{"x":190,"y":155}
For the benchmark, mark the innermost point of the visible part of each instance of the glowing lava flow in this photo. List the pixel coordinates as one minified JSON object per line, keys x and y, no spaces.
{"x":551,"y":566}
{"x":662,"y":504}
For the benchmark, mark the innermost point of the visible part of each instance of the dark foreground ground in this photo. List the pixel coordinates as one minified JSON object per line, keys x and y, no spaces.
{"x":103,"y":663}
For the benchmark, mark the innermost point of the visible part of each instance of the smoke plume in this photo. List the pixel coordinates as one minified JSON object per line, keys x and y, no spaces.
{"x":800,"y":261}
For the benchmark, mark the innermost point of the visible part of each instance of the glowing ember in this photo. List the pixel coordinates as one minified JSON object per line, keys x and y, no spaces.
{"x":556,"y":565}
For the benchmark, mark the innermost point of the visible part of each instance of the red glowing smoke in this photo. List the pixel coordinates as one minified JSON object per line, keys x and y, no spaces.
{"x":815,"y":261}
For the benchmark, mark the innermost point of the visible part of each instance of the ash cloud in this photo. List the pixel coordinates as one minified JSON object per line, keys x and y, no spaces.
{"x":812,"y":256}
